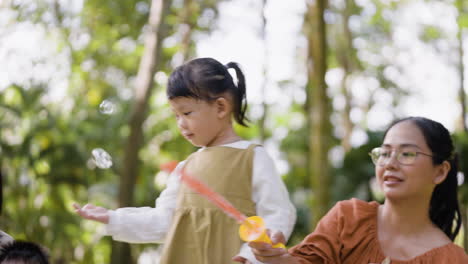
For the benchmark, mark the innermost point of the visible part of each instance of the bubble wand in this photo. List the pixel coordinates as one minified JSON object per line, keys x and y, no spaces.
{"x":252,"y":229}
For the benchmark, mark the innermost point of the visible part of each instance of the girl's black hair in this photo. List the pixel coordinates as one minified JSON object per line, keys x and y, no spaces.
{"x":23,"y":252}
{"x":207,"y":79}
{"x":444,"y":210}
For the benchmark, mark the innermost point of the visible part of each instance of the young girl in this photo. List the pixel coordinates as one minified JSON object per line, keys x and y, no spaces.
{"x":205,"y":98}
{"x":416,"y":168}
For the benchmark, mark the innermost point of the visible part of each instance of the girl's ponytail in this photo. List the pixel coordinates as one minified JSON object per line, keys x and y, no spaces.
{"x":240,"y":99}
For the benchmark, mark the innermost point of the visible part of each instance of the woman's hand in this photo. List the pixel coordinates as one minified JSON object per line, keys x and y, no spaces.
{"x":267,"y":254}
{"x":92,"y":212}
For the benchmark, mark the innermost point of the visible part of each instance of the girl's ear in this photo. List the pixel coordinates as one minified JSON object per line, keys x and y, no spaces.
{"x":223,"y":107}
{"x":442,"y":172}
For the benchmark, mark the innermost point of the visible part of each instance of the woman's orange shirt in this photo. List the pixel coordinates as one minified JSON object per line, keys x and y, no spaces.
{"x":348,"y":235}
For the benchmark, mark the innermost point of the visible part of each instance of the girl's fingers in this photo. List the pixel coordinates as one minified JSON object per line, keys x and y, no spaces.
{"x":92,"y":212}
{"x":278,"y":237}
{"x":81,"y":210}
{"x":88,"y":206}
{"x":76,"y":206}
{"x":265,"y":250}
{"x":259,"y":245}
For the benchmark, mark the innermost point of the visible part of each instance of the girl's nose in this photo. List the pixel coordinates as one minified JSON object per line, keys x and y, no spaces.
{"x":181,"y":123}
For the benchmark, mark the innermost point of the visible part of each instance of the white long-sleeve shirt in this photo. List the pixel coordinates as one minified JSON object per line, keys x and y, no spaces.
{"x":150,"y":225}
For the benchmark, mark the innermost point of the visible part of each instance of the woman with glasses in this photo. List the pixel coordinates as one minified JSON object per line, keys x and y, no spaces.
{"x":416,"y":168}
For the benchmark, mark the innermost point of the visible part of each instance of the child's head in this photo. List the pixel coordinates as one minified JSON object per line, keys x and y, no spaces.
{"x":207,"y":79}
{"x":205,"y":97}
{"x":22,"y":252}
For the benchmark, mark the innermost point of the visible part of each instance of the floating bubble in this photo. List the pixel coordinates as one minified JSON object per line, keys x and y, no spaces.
{"x":102,"y":159}
{"x":24,"y":178}
{"x":107,"y":107}
{"x":460,"y":178}
{"x":44,"y":221}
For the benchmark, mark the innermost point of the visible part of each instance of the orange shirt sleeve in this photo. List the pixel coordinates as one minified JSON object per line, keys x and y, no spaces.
{"x":323,"y":245}
{"x":340,"y":233}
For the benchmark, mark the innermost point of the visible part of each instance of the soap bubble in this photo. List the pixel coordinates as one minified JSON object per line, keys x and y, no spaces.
{"x":102,"y":159}
{"x":107,"y":107}
{"x":460,"y":178}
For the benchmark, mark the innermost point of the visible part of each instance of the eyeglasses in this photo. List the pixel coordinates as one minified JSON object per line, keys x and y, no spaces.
{"x":381,"y":156}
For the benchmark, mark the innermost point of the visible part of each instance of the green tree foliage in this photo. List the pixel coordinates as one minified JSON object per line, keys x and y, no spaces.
{"x":44,"y":170}
{"x":46,"y":148}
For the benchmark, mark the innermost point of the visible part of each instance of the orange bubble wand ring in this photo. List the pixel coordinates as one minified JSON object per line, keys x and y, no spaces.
{"x":252,"y":229}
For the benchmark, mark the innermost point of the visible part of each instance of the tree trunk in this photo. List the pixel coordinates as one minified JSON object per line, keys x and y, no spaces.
{"x":461,"y":68}
{"x":345,"y":57}
{"x":121,"y":253}
{"x":186,"y":27}
{"x":462,"y":96}
{"x":263,"y":118}
{"x":346,"y":115}
{"x":318,"y":111}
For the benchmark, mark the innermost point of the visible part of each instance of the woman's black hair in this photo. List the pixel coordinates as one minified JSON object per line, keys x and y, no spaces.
{"x":207,"y":79}
{"x":444,"y":210}
{"x":23,"y":252}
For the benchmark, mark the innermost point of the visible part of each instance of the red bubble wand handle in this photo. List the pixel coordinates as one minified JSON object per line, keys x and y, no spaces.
{"x":252,"y":229}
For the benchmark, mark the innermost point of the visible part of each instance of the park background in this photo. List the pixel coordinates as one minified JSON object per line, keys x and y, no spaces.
{"x":84,"y":117}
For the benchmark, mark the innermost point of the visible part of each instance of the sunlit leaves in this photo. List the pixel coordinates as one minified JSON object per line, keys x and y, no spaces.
{"x":430,"y":33}
{"x":463,"y":20}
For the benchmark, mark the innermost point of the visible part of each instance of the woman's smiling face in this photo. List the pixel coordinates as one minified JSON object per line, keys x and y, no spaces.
{"x":399,"y":181}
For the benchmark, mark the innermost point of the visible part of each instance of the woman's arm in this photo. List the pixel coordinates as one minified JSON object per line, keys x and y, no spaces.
{"x":321,"y":246}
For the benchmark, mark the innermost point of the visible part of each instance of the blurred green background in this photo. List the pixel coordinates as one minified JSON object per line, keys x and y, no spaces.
{"x":324,"y":78}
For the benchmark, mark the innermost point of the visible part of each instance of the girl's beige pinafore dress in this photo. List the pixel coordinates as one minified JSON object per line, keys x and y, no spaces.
{"x":201,"y":233}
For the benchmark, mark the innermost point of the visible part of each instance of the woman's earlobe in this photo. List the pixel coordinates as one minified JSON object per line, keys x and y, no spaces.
{"x":443,"y":172}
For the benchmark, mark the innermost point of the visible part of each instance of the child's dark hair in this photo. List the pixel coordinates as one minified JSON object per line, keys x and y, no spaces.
{"x":207,"y":79}
{"x":23,"y":252}
{"x":444,"y":210}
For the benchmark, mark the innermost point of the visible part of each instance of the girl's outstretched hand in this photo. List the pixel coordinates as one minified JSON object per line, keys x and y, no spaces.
{"x":92,"y":212}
